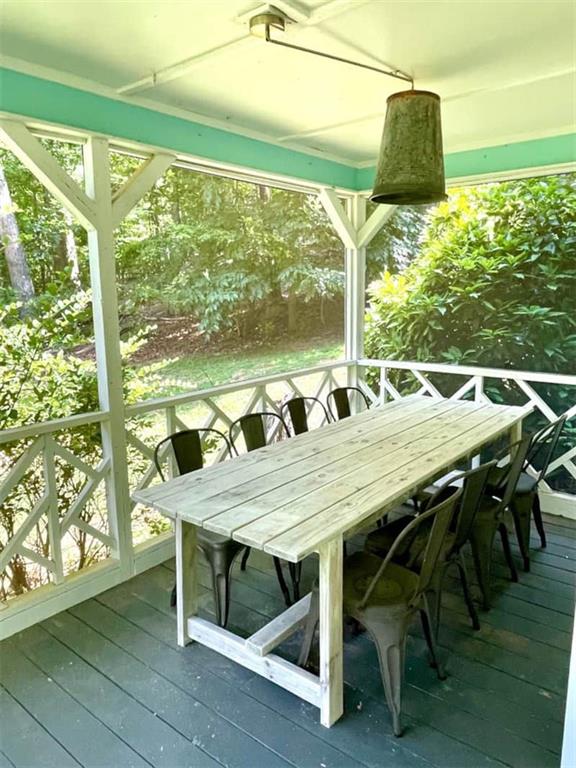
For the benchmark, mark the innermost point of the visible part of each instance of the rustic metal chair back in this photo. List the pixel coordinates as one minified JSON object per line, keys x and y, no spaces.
{"x":187,"y":448}
{"x":219,"y":551}
{"x":525,"y":502}
{"x":387,"y":615}
{"x":299,"y":410}
{"x":253,"y":428}
{"x":490,"y":518}
{"x":543,"y":445}
{"x":339,"y":401}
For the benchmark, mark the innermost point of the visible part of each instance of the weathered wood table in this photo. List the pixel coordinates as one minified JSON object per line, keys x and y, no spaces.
{"x":305,"y":495}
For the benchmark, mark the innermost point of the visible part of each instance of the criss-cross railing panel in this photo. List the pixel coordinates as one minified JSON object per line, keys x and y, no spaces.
{"x":52,"y":522}
{"x":397,"y":379}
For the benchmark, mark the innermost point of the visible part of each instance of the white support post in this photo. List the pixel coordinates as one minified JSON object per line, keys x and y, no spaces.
{"x":355,"y":291}
{"x":141,"y":182}
{"x":107,"y":342}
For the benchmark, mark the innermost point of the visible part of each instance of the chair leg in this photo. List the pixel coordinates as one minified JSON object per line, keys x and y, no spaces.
{"x":310,"y":628}
{"x":428,"y":627}
{"x":521,"y":507}
{"x":245,"y":557}
{"x":282,"y":582}
{"x":537,"y":512}
{"x":295,"y":574}
{"x":389,"y":637}
{"x":466,"y":590}
{"x":508,"y":552}
{"x":220,"y":565}
{"x":482,"y":542}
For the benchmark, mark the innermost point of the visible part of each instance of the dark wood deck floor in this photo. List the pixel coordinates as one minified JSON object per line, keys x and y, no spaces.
{"x":104,"y":684}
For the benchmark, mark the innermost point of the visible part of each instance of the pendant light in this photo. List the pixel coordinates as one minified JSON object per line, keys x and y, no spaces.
{"x":410,"y":167}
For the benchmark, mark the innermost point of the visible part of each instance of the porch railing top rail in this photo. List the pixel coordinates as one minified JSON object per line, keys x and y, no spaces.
{"x":471,"y":370}
{"x":55,"y":425}
{"x":155,"y":404}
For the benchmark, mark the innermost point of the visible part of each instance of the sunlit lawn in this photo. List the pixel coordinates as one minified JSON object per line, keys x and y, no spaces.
{"x":200,"y":371}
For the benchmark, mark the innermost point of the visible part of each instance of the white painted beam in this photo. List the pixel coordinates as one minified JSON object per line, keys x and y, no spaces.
{"x":107,"y":343}
{"x":355,"y":289}
{"x":181,"y":68}
{"x":285,"y":674}
{"x":141,"y":182}
{"x":338,"y":216}
{"x":374,"y":224}
{"x":46,"y":168}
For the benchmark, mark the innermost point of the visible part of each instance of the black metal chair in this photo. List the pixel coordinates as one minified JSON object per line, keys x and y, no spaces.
{"x":385,"y":597}
{"x":340,"y":398}
{"x":220,"y":551}
{"x":525,"y":502}
{"x":297,"y":410}
{"x":473,"y":483}
{"x":490,"y":517}
{"x":253,"y":427}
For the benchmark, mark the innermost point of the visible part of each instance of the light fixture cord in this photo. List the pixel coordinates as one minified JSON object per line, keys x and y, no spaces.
{"x":397,"y":73}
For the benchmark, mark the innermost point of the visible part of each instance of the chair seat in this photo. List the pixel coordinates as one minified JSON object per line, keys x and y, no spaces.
{"x":397,"y":587}
{"x":526,"y":483}
{"x":379,"y":541}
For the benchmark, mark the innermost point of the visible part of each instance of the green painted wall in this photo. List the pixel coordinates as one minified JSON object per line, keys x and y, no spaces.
{"x":46,"y":100}
{"x":55,"y":103}
{"x":506,"y":157}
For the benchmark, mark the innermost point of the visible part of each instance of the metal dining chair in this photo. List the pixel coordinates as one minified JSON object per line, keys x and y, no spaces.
{"x":253,"y":427}
{"x":385,"y":597}
{"x":219,"y":551}
{"x":490,"y":517}
{"x":298,"y":410}
{"x":525,"y":502}
{"x":339,"y":401}
{"x":473,"y":483}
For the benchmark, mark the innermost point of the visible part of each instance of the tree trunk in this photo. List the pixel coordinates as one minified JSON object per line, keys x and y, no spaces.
{"x":72,"y":250}
{"x":13,"y":251}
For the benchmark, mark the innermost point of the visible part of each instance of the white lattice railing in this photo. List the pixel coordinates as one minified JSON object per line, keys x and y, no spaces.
{"x":42,"y":527}
{"x":44,"y":449}
{"x":474,"y":382}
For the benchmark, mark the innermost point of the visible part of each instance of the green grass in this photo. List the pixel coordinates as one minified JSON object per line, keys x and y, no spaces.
{"x":200,"y":371}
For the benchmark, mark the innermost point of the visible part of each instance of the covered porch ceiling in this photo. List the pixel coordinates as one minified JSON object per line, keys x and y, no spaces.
{"x":505,"y":72}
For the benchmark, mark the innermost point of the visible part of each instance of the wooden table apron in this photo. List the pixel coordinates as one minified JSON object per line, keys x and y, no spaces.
{"x":305,"y":495}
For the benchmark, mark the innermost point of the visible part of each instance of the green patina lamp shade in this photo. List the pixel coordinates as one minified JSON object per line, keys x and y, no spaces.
{"x":411,"y":164}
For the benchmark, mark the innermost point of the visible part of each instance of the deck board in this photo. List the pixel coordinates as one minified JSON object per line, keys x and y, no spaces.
{"x":104,"y":683}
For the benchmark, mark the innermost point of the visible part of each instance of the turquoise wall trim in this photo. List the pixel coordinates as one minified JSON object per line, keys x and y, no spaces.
{"x":535,"y":153}
{"x":55,"y":103}
{"x":42,"y":99}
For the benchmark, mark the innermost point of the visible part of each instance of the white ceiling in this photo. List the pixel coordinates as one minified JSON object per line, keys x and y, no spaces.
{"x":505,"y":69}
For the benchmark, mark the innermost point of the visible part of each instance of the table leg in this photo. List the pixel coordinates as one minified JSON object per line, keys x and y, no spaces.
{"x":516,"y":432}
{"x":331,"y":655}
{"x":186,"y":577}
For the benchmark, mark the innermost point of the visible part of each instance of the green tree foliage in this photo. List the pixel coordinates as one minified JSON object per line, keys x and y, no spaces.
{"x":494,"y":284}
{"x":231,"y":254}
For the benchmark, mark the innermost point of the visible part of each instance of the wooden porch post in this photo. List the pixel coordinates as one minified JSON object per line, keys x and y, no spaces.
{"x":107,"y":339}
{"x":99,"y":212}
{"x":355,"y":288}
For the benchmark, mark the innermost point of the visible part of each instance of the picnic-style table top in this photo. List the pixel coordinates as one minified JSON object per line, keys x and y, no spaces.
{"x":290,"y":497}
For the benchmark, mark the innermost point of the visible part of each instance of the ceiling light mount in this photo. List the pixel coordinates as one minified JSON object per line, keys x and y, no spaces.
{"x":262,"y":25}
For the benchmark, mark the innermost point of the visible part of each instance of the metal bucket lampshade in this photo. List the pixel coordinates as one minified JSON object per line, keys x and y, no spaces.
{"x":411,"y":165}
